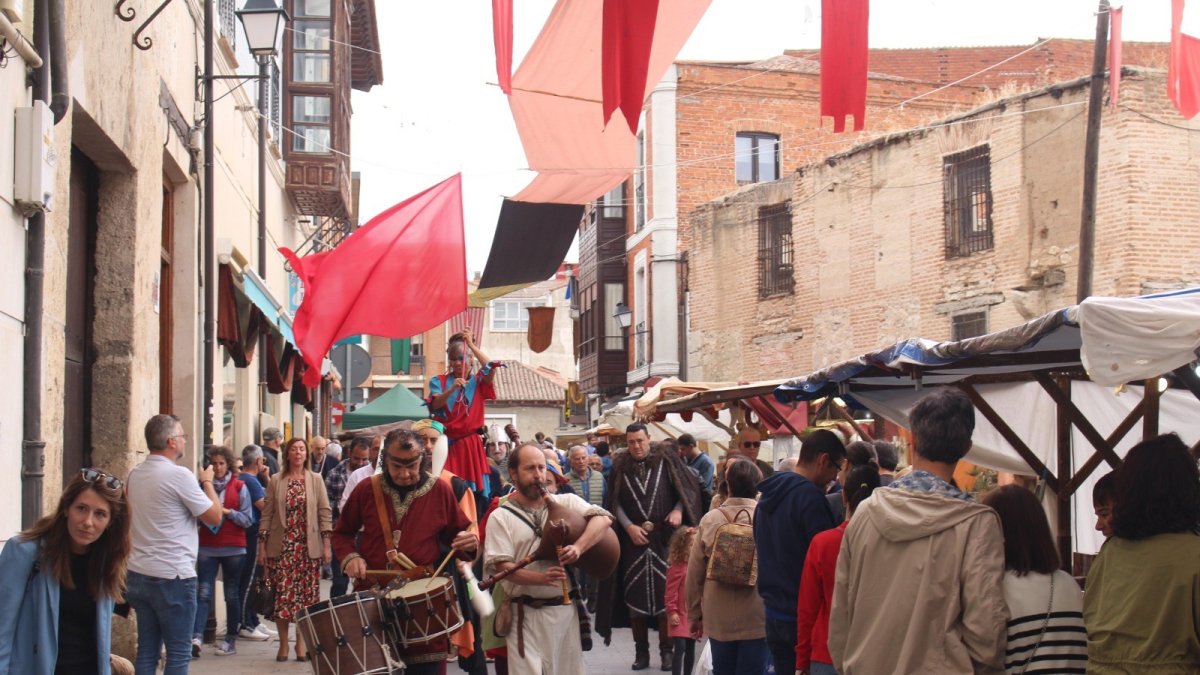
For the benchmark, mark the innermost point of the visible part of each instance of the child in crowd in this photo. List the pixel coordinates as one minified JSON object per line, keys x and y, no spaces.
{"x":820,"y":568}
{"x":676,"y":601}
{"x":1102,"y":502}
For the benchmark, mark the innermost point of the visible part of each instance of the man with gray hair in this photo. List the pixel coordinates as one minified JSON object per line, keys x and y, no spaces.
{"x":165,"y":501}
{"x":272,"y":438}
{"x":252,"y":464}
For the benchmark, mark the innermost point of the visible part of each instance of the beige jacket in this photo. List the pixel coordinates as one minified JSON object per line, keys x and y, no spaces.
{"x":319,"y":518}
{"x":729,"y":613}
{"x":919,"y":588}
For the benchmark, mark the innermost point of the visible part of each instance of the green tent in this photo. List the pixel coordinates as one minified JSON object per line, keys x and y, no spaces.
{"x":396,"y":405}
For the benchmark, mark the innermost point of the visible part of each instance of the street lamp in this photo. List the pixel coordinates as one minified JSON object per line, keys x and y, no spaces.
{"x":262,"y":21}
{"x":623,"y":315}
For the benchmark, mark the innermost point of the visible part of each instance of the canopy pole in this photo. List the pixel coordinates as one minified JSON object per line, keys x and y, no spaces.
{"x":1063,"y":428}
{"x":1150,"y":395}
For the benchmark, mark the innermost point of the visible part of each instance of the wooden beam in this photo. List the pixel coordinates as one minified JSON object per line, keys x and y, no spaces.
{"x":716,"y":421}
{"x":1062,"y":427}
{"x":1082,"y":473}
{"x":844,"y":414}
{"x":1150,"y":396}
{"x":783,"y":418}
{"x":1009,"y":435}
{"x":1062,"y":398}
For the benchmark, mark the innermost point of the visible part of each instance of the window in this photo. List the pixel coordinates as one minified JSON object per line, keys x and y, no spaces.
{"x":612,"y":204}
{"x":310,"y":121}
{"x":967,"y":202}
{"x":757,"y":156}
{"x":639,"y":185}
{"x":312,"y":7}
{"x":276,"y":103}
{"x":417,"y":346}
{"x":614,"y":337}
{"x":969,"y":325}
{"x":776,"y":274}
{"x":228,"y":21}
{"x":510,"y":315}
{"x":311,"y":46}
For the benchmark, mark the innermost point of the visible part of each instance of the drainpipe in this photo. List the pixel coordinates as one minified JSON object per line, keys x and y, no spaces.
{"x":208,"y":264}
{"x":33,"y":446}
{"x":60,"y":99}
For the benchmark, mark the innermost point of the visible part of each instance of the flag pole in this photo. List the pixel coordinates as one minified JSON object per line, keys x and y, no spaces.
{"x":1091,"y":156}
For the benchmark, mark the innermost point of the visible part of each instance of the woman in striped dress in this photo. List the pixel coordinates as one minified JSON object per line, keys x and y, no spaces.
{"x":1046,"y":633}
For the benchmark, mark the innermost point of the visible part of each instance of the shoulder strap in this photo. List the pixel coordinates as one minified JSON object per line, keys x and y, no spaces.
{"x":385,"y":520}
{"x":537,"y":531}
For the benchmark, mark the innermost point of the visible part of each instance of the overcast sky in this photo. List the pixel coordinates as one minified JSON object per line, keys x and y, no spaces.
{"x":439,"y":111}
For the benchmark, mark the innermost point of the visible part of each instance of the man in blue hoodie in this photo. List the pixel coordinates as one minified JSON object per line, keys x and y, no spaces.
{"x":792,"y":509}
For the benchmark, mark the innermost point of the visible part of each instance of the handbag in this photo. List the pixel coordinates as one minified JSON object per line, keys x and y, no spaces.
{"x":264,"y":594}
{"x":503,"y":620}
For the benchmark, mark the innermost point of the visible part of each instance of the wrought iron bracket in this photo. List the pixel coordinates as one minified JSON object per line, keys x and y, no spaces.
{"x":127,"y":14}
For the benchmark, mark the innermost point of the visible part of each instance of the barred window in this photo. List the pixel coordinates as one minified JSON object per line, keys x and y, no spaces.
{"x":639,"y":185}
{"x":276,"y":104}
{"x":968,"y":325}
{"x":228,"y":21}
{"x":967,"y":201}
{"x":776,"y":275}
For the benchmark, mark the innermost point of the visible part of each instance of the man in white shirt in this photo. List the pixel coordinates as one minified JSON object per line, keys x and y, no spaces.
{"x":359,"y":475}
{"x":165,"y":500}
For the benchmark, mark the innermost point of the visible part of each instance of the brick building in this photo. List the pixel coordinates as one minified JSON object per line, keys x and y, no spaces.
{"x":709,"y":128}
{"x":961,"y":228}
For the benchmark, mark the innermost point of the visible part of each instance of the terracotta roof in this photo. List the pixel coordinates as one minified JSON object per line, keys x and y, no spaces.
{"x":518,"y":383}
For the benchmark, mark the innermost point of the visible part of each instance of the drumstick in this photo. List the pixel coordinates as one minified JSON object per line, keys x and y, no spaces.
{"x":450,"y":555}
{"x":384,"y":573}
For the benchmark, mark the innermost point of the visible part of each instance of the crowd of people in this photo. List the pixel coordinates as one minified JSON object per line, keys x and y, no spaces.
{"x":832,"y":562}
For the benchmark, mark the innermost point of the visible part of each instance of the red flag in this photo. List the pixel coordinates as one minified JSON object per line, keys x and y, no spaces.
{"x":502,"y":36}
{"x":399,"y":275}
{"x":1183,"y":66}
{"x":626,"y":38}
{"x":1114,"y":55}
{"x":844,"y":61}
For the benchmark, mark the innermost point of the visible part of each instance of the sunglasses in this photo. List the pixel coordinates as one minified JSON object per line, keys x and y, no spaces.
{"x":100,"y":479}
{"x":751,"y":444}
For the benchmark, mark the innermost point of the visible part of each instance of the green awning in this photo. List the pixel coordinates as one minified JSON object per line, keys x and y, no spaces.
{"x":394,"y":406}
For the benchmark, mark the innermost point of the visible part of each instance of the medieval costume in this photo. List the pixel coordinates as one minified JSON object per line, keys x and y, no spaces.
{"x":427,"y":516}
{"x":462,"y":417}
{"x":644,"y":493}
{"x":545,"y":635}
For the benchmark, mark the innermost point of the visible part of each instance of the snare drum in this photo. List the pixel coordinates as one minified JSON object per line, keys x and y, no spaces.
{"x":345,"y":635}
{"x":417,"y":611}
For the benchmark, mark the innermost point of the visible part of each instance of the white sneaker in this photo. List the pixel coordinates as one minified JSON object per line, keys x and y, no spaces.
{"x":195,"y":648}
{"x":226,"y":649}
{"x":257,"y":634}
{"x":266,"y":629}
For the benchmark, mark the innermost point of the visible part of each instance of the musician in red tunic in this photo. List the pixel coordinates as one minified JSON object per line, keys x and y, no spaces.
{"x":419,"y":520}
{"x":456,"y":399}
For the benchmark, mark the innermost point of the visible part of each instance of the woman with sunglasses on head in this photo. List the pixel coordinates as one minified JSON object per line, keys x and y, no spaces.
{"x":60,"y":579}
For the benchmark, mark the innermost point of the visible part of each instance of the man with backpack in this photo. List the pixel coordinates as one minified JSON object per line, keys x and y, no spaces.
{"x":792,"y":509}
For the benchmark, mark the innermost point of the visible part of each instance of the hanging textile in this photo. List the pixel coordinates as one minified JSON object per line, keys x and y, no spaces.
{"x":541,"y":328}
{"x":401,"y":355}
{"x":626,"y":39}
{"x":844,"y":61}
{"x":502,"y":36}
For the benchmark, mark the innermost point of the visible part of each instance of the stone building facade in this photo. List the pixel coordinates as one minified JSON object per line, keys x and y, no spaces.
{"x":967,"y":226}
{"x":123,"y":317}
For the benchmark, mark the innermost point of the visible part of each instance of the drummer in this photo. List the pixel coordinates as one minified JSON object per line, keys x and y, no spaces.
{"x":545,"y":635}
{"x":424,"y":522}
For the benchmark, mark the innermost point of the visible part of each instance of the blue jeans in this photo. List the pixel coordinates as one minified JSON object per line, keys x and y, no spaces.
{"x":818,"y":668}
{"x":341,"y":582}
{"x":743,"y":657}
{"x":231,"y":572}
{"x":166,"y":610}
{"x":249,"y":616}
{"x":781,"y":640}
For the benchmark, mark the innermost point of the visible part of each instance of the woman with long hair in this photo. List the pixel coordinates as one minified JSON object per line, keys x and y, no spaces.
{"x":294,"y":540}
{"x":820,"y":567}
{"x":1045,"y":633}
{"x":1143,"y":590}
{"x":60,"y":580}
{"x":223,"y":546}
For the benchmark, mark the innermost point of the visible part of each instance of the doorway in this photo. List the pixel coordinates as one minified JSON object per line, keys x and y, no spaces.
{"x":78,"y":351}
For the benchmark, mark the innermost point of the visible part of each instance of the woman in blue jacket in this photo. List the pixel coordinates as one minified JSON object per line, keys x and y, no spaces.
{"x":60,"y":579}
